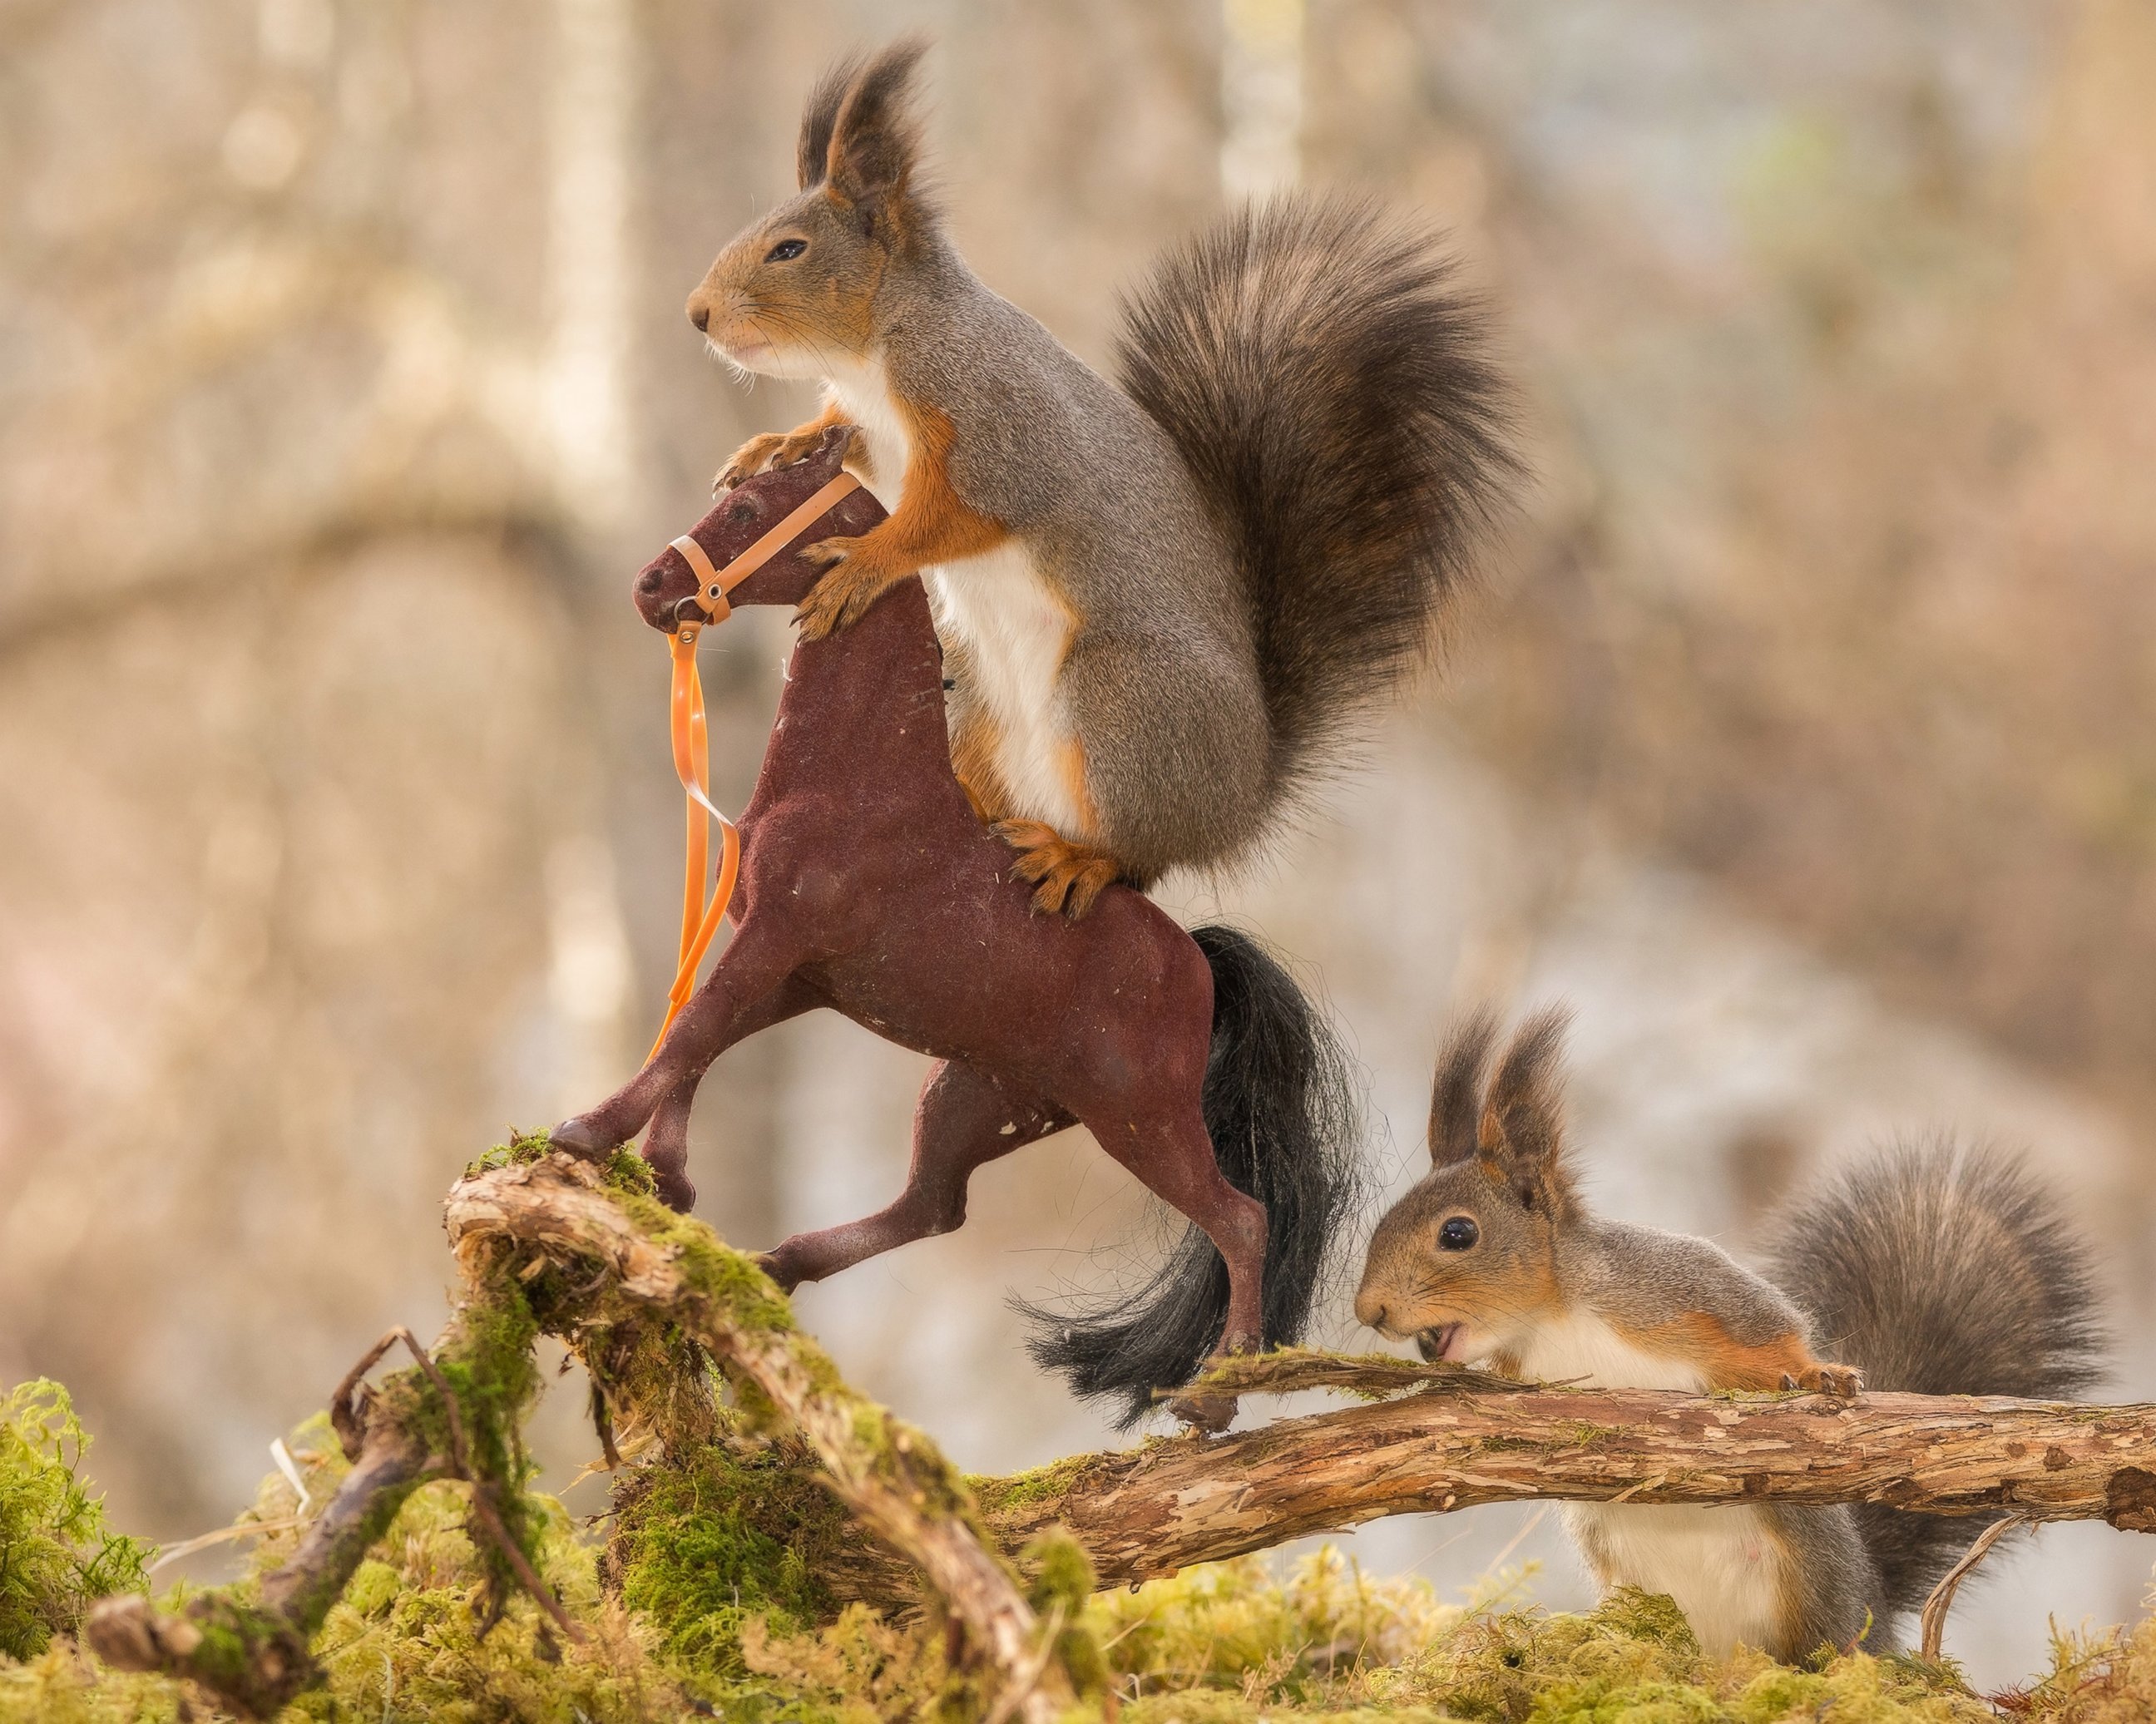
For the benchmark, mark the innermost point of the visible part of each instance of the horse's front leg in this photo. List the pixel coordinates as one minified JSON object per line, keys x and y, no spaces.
{"x":666,"y":1146}
{"x":752,"y":987}
{"x":965,"y":1119}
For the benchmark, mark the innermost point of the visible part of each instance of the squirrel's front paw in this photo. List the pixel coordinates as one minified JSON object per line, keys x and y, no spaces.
{"x":1845,"y":1381}
{"x":748,"y":460}
{"x":776,"y":448}
{"x":843,"y":597}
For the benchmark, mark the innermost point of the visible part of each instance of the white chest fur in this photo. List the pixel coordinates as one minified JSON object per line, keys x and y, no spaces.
{"x":864,"y":396}
{"x":1012,"y":627}
{"x":1719,"y":1564}
{"x":1580,"y":1346}
{"x":1015,"y":632}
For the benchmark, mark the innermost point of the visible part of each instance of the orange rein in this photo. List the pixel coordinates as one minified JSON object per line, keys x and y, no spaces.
{"x":691,"y":739}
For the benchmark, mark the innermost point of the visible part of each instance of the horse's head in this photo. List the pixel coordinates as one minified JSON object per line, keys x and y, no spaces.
{"x":667,"y":586}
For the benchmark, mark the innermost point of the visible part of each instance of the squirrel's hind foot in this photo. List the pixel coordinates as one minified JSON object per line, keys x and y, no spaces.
{"x":1067,"y":876}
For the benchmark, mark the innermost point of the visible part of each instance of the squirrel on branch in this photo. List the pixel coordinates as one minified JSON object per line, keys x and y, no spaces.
{"x":1930,"y":1268}
{"x":1163,"y":604}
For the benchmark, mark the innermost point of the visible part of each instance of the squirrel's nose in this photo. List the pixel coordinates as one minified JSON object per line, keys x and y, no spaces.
{"x":1370,"y":1310}
{"x":700,"y":315}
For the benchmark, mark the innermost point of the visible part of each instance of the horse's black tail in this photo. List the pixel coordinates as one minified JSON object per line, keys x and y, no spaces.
{"x":1282,"y":1106}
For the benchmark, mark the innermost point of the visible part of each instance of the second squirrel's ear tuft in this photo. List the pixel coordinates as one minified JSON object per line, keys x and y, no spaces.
{"x":1455,"y":1096}
{"x":1520,"y":1137}
{"x":874,"y":146}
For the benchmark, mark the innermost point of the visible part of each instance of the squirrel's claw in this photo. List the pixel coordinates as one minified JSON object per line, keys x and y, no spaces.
{"x":780,"y":448}
{"x":843,"y":597}
{"x":1069,"y":877}
{"x":751,"y":458}
{"x":1845,"y":1381}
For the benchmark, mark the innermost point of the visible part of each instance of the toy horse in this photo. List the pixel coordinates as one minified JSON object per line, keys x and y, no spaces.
{"x":869,"y":886}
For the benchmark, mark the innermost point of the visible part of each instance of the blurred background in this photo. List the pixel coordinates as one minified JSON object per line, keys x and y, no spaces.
{"x":1806,"y":738}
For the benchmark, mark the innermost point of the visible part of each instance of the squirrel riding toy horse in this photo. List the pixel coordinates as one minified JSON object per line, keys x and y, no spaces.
{"x":1165,"y":599}
{"x":868,"y":885}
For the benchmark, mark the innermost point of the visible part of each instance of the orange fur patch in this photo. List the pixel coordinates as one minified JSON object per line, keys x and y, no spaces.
{"x":1074,"y":774}
{"x":930,"y":524}
{"x":974,"y":742}
{"x":845,"y":312}
{"x":1726,"y":1362}
{"x":1417,"y":1301}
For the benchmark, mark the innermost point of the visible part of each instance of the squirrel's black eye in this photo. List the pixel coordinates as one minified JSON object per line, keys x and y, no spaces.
{"x":785,"y":250}
{"x":1458,"y":1233}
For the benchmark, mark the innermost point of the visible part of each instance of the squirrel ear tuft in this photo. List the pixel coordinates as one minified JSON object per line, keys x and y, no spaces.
{"x":874,"y":141}
{"x":812,"y":155}
{"x":1455,"y":1095}
{"x":1522,"y":1132}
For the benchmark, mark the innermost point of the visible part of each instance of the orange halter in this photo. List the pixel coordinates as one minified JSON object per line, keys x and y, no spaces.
{"x":692,"y":763}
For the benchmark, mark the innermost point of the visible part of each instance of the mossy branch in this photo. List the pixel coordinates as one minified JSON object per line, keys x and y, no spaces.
{"x":455,"y":1414}
{"x":891,"y":1476}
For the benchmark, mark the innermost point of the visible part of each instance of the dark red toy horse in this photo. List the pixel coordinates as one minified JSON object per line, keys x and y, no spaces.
{"x":868,"y":885}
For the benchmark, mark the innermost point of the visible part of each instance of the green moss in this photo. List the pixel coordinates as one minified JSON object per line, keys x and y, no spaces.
{"x":626,"y":1171}
{"x":244,"y":1651}
{"x":487,"y":1362}
{"x":522,"y":1148}
{"x":56,"y":1554}
{"x":740,"y":1531}
{"x":1061,"y":1583}
{"x":1017,"y":1490}
{"x":410,"y":1638}
{"x":372,"y":1588}
{"x":730,"y":1546}
{"x":747,"y":1297}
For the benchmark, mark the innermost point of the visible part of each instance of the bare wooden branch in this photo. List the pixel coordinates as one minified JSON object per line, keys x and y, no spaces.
{"x":1933,"y":1622}
{"x":1151,"y":1510}
{"x":891,"y":1476}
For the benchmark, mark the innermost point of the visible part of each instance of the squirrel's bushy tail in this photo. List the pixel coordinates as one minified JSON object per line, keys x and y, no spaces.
{"x":1281,"y":1106}
{"x":1327,"y":385}
{"x":1940,"y":1269}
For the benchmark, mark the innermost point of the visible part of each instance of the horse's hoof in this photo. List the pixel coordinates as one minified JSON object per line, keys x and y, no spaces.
{"x":1210,"y":1414}
{"x":579,"y":1140}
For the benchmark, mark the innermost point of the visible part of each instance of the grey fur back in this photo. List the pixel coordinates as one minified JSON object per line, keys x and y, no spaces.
{"x":1940,"y":1269}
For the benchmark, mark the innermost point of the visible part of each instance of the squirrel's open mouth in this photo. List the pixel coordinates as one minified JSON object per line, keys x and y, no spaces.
{"x":1445,"y":1341}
